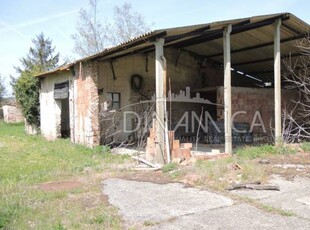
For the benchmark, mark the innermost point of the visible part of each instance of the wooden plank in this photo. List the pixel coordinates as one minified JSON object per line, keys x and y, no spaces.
{"x":157,"y":166}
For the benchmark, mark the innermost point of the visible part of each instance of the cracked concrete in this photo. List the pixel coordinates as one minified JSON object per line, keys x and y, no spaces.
{"x":145,"y":201}
{"x":294,"y":196}
{"x":173,"y":206}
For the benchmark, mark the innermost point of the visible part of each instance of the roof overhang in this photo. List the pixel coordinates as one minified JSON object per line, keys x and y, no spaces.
{"x":251,"y":42}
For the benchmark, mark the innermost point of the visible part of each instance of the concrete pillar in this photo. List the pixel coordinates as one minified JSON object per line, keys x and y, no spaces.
{"x":227,"y":90}
{"x":277,"y":82}
{"x":160,"y":102}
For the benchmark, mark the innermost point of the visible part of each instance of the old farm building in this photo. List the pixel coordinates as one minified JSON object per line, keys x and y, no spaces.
{"x":215,"y":69}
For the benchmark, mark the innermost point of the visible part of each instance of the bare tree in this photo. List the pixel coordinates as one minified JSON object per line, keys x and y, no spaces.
{"x":93,"y":35}
{"x":126,"y":24}
{"x":296,"y":122}
{"x":112,"y":125}
{"x":90,"y":35}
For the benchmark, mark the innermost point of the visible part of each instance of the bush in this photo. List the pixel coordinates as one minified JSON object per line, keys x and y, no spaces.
{"x":27,"y":91}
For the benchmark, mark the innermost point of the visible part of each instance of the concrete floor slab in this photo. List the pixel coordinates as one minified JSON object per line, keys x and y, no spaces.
{"x":145,"y":201}
{"x":241,"y":216}
{"x":173,"y":206}
{"x":293,"y":195}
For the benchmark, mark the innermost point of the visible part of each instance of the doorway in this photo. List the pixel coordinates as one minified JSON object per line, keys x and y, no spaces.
{"x":65,"y":119}
{"x":61,"y":96}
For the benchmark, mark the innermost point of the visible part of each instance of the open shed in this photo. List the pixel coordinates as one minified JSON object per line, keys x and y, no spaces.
{"x":234,"y":64}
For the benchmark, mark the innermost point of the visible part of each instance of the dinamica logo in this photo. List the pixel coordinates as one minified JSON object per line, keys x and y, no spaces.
{"x":136,"y":119}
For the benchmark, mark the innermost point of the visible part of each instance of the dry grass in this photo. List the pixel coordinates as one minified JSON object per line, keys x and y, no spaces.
{"x":221,"y":173}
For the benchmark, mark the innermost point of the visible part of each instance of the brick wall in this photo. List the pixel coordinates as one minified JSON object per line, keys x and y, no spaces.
{"x":84,"y":120}
{"x":251,"y":100}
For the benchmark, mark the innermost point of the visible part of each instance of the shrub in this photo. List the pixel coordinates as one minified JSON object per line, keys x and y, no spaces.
{"x":27,"y":91}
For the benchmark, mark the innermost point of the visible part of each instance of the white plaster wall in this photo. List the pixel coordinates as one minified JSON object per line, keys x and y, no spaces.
{"x":50,"y":109}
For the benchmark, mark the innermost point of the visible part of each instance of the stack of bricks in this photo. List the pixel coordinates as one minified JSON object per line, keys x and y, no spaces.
{"x":177,"y":149}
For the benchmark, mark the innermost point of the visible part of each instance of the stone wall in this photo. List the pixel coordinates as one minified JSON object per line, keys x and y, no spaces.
{"x":12,"y":114}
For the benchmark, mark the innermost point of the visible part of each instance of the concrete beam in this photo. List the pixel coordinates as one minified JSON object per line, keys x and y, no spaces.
{"x":277,"y":81}
{"x":227,"y":90}
{"x":160,"y":102}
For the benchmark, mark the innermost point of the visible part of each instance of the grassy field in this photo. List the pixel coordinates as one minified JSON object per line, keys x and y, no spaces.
{"x":28,"y":162}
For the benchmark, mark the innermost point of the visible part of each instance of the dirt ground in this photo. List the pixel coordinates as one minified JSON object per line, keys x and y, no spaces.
{"x":288,"y":166}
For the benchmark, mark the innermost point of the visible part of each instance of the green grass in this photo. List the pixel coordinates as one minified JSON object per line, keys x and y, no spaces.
{"x":251,"y":152}
{"x":26,"y":161}
{"x":169,"y":167}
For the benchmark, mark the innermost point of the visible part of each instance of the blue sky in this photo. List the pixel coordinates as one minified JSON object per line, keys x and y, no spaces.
{"x":22,"y":20}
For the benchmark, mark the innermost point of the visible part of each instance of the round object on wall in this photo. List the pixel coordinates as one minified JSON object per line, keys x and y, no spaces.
{"x":137,"y":82}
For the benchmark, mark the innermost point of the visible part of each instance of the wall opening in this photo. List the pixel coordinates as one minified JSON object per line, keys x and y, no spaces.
{"x":65,"y":118}
{"x":61,"y":96}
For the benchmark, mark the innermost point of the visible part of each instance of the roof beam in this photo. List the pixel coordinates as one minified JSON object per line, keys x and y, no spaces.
{"x":200,"y":31}
{"x":262,"y":72}
{"x":266,"y":59}
{"x":291,"y":29}
{"x":236,"y":28}
{"x":259,"y":46}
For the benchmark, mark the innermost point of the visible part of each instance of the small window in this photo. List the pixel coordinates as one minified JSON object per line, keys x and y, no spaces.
{"x":114,"y":101}
{"x":61,"y":90}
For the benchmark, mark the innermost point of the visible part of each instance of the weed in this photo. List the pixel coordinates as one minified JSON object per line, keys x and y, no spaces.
{"x":148,"y":223}
{"x":59,"y":226}
{"x":305,"y":146}
{"x":255,"y":151}
{"x":169,"y":167}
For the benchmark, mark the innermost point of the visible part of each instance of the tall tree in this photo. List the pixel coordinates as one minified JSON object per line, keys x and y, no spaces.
{"x":93,"y":35}
{"x":40,"y":58}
